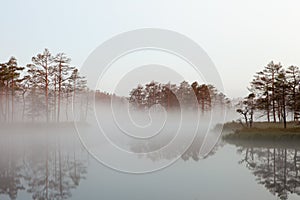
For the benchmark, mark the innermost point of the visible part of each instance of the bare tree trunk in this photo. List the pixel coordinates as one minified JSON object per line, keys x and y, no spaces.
{"x":246,"y":119}
{"x":87,"y":106}
{"x":202,"y":105}
{"x":55,"y":97}
{"x":267,"y":106}
{"x":59,"y":91}
{"x":1,"y":104}
{"x":279,"y":109}
{"x":273,"y":99}
{"x":24,"y":104}
{"x":67,"y":107}
{"x":294,"y":103}
{"x":7,"y":104}
{"x":283,"y":106}
{"x":251,"y":119}
{"x":12,"y":99}
{"x":46,"y":92}
{"x":32,"y":113}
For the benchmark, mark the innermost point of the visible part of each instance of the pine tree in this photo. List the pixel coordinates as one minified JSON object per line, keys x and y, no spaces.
{"x":271,"y":71}
{"x":281,"y":87}
{"x":61,"y":70}
{"x":293,"y":78}
{"x":44,"y":62}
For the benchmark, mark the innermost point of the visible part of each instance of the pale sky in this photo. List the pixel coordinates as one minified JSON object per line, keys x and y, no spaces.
{"x":239,"y":36}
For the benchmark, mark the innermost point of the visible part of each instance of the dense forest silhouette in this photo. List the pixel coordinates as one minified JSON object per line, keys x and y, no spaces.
{"x":171,"y":96}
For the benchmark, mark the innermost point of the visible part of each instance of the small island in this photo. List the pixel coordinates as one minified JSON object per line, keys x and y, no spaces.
{"x":274,"y":103}
{"x":261,"y":130}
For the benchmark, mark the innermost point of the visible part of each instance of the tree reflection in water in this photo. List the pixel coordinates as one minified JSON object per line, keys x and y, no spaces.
{"x":192,"y":152}
{"x":10,"y":171}
{"x":43,"y":166}
{"x":275,"y":166}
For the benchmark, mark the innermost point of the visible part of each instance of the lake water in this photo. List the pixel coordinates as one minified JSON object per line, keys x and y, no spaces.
{"x":57,"y":166}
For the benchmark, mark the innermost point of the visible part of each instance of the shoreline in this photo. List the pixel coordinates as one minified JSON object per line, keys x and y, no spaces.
{"x":261,"y":131}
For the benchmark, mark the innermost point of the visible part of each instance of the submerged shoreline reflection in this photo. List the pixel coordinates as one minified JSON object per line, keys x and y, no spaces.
{"x":276,"y":166}
{"x":44,"y":166}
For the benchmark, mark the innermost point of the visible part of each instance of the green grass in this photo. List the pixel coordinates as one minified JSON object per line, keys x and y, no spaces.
{"x":262,"y":131}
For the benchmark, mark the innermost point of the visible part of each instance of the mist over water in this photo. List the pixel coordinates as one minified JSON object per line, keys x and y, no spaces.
{"x":69,"y":160}
{"x":143,"y":114}
{"x":42,"y":161}
{"x":124,"y":138}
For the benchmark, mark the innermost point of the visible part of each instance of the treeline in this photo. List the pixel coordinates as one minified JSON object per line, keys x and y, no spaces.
{"x":106,"y":98}
{"x":41,"y":90}
{"x":172,"y":96}
{"x":274,"y":93}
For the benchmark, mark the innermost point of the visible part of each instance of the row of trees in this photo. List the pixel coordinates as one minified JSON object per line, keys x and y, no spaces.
{"x":38,"y":90}
{"x":43,"y":90}
{"x":172,"y":96}
{"x":274,"y":93}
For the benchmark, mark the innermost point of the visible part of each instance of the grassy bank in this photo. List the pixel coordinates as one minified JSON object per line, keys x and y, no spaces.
{"x":262,"y":131}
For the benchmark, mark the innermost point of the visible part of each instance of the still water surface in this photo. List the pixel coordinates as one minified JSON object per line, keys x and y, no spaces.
{"x":56,"y":166}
